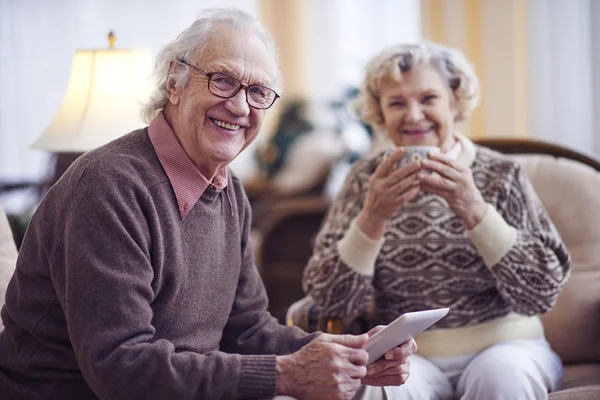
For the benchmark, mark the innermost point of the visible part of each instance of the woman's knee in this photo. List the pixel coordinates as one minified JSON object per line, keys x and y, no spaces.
{"x":503,"y":373}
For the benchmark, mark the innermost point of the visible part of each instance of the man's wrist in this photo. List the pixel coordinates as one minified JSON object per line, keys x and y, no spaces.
{"x":283,"y":384}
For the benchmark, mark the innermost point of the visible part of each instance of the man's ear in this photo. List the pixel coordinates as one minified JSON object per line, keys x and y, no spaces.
{"x":173,"y":92}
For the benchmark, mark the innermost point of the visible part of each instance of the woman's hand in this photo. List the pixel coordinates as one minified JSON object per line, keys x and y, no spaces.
{"x":389,"y":188}
{"x":455,"y":184}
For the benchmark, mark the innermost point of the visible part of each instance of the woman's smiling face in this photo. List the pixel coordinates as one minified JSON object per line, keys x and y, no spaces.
{"x":418,"y":111}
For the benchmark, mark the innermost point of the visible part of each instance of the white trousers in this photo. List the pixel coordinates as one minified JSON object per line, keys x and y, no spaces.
{"x":514,"y":369}
{"x":363,"y":393}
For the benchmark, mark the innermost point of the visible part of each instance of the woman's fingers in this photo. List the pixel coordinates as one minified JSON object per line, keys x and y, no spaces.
{"x":443,"y":169}
{"x":408,"y":195}
{"x":408,"y":182}
{"x":406,"y":170}
{"x":437,"y":184}
{"x":447,"y":161}
{"x":389,"y":163}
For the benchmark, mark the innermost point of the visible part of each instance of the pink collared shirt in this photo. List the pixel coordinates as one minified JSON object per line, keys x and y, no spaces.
{"x":187,"y":182}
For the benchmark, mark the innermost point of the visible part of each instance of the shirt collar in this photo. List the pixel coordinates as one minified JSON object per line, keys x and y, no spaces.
{"x":467,"y":155}
{"x":455,"y":151}
{"x":187,"y":182}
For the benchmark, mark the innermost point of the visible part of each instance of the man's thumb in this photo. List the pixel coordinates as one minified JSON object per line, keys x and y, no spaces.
{"x":354,"y":341}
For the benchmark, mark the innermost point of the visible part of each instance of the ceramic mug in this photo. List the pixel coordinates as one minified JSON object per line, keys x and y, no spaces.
{"x":416,"y":153}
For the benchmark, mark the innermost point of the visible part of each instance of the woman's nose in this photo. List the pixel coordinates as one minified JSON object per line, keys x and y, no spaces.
{"x":414,"y":113}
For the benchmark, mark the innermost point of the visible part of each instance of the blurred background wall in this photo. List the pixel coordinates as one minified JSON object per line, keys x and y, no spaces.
{"x":538,"y":60}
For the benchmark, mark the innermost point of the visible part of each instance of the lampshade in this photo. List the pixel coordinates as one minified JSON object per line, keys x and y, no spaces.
{"x":102,"y":101}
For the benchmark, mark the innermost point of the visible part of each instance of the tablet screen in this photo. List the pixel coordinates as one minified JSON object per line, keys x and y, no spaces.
{"x":400,"y":330}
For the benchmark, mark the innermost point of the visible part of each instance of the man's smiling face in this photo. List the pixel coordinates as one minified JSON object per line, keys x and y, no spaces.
{"x":211,"y":129}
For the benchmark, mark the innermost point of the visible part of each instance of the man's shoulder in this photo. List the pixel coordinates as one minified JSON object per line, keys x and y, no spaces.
{"x":129,"y":158}
{"x":122,"y":169}
{"x":130,"y":149}
{"x":235,"y":190}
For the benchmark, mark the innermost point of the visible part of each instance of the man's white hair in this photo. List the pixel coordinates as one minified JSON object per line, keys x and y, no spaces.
{"x":389,"y":65}
{"x":189,"y":42}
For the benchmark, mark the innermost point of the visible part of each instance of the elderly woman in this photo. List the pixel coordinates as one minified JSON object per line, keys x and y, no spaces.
{"x":136,"y":277}
{"x":461,"y":229}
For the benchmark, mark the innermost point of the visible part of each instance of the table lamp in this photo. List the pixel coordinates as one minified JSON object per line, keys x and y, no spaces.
{"x":102,"y":101}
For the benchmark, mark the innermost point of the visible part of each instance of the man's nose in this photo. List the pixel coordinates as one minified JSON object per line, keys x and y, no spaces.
{"x":238,"y":104}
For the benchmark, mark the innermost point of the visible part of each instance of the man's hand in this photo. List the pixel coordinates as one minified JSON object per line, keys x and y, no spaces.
{"x":329,"y":367}
{"x":393,"y":369}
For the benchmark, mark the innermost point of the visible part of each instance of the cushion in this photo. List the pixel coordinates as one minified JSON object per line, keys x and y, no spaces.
{"x":308,"y":162}
{"x":580,"y":393}
{"x":581,"y":375}
{"x":570,"y":192}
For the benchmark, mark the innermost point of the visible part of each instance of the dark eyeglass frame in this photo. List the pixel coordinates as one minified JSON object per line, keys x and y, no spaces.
{"x":209,"y":75}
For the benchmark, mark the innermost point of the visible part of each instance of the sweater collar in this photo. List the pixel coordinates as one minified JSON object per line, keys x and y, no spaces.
{"x":187,"y":182}
{"x":467,"y":156}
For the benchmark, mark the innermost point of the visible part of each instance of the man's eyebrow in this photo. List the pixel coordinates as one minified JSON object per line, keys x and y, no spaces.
{"x":231,"y":71}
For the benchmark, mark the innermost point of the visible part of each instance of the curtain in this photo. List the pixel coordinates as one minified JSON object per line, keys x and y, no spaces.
{"x":344,"y":34}
{"x":564,"y":72}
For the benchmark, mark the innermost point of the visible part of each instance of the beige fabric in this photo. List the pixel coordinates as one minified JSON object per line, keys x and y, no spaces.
{"x":358,"y":250}
{"x":363,"y":393}
{"x":474,"y":338}
{"x":581,"y":393}
{"x":493,"y":236}
{"x":581,"y":375}
{"x":467,"y":157}
{"x":373,"y":393}
{"x":570,"y":192}
{"x":8,"y":256}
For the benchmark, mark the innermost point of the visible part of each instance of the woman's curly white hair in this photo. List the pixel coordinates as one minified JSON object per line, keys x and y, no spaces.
{"x":392,"y":62}
{"x":189,"y":42}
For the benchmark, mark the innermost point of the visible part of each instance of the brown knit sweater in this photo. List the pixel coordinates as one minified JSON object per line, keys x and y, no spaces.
{"x":116,"y":297}
{"x":513,"y":262}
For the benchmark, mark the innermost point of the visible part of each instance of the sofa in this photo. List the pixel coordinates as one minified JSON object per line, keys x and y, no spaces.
{"x":568,"y":184}
{"x":8,"y":256}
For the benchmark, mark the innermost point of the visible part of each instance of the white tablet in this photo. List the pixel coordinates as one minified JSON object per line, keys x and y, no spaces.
{"x":400,"y":330}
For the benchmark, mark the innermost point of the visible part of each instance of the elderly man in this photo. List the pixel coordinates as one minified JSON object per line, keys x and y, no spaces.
{"x":136,"y":277}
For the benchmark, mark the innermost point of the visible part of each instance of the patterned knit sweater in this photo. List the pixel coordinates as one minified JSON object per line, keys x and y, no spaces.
{"x":513,"y":264}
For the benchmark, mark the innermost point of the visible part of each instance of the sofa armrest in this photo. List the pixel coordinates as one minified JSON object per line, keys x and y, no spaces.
{"x":580,"y":393}
{"x":306,"y":315}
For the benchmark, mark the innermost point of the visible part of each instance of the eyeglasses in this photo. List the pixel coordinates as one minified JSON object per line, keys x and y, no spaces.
{"x":226,"y":86}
